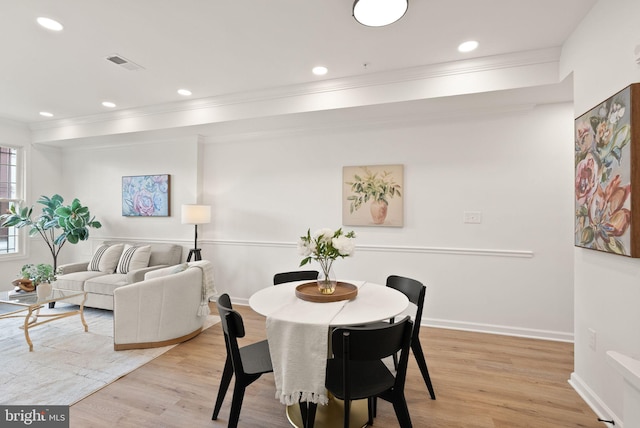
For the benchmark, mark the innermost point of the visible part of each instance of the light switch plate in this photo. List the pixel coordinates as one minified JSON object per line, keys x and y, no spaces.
{"x":473,"y":217}
{"x":592,"y":339}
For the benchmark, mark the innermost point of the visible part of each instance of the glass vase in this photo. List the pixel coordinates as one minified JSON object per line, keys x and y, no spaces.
{"x":327,"y":280}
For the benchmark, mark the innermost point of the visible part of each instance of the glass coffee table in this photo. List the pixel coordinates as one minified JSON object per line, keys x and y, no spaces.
{"x":28,"y":305}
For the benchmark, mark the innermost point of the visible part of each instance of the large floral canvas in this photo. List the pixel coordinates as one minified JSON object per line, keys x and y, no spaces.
{"x":606,"y":173}
{"x":145,"y":195}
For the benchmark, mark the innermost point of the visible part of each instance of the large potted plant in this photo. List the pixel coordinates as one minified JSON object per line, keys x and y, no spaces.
{"x":374,"y":187}
{"x":56,"y":225}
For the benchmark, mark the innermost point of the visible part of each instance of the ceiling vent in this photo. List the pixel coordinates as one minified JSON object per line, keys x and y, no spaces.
{"x":124,"y":63}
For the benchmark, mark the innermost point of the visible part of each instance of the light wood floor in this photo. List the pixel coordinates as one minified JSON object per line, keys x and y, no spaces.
{"x":481,"y":380}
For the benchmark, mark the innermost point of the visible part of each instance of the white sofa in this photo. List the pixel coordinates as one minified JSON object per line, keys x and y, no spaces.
{"x":99,"y":277}
{"x":168,"y":307}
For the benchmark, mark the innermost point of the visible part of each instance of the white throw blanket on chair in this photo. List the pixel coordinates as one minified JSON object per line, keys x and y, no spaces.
{"x":208,"y":288}
{"x":299,"y":351}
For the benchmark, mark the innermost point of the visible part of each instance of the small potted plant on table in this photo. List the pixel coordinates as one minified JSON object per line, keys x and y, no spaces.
{"x":32,"y":275}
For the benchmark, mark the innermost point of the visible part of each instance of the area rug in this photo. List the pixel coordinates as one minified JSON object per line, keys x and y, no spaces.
{"x":67,"y":363}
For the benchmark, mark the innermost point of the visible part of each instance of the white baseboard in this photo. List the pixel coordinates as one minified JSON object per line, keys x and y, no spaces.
{"x":557,"y":336}
{"x":239,"y":301}
{"x":593,"y":401}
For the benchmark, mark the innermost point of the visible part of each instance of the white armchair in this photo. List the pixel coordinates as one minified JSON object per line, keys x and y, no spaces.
{"x":162,"y":310}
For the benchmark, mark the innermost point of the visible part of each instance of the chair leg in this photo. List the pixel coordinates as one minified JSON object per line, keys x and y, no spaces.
{"x":236,"y":405}
{"x":402,"y":411}
{"x":417,"y":352}
{"x":370,"y":407}
{"x":227,"y":374}
{"x":395,"y":354}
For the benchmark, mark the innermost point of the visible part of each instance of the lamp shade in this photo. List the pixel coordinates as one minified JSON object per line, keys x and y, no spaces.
{"x":196,"y":214}
{"x":377,"y":13}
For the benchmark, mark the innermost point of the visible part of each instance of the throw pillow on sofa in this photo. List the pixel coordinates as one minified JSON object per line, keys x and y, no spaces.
{"x":134,"y":258}
{"x":105,"y":258}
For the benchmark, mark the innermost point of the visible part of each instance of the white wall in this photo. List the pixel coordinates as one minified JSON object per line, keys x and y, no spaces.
{"x":514,"y":167}
{"x":607,"y":287}
{"x":94,"y":175}
{"x":510,"y":274}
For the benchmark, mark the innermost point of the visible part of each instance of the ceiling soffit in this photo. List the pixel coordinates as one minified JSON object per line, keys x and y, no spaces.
{"x":487,"y":74}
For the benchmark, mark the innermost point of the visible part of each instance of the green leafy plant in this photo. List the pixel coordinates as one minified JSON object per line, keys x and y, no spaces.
{"x":57,"y":225}
{"x":38,"y":273}
{"x":372,"y":187}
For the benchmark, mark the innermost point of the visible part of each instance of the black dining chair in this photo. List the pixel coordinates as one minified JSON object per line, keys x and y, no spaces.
{"x":247,"y":363}
{"x":298,"y":275}
{"x":357,"y":370}
{"x":415,"y":292}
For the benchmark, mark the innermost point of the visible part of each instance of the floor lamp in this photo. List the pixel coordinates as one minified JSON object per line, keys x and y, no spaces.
{"x":196,"y":214}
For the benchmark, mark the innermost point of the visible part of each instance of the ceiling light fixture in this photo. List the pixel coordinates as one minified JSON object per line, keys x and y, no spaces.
{"x":184,"y":92}
{"x":468,"y":46}
{"x":378,"y":13}
{"x":319,"y":70}
{"x":46,"y":114}
{"x":108,"y":104}
{"x":50,"y":24}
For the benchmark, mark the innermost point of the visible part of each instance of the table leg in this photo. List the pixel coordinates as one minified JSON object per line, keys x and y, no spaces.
{"x":84,"y":323}
{"x":332,"y":415}
{"x":26,"y":327}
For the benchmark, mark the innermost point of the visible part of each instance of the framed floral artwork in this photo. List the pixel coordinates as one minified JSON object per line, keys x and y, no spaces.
{"x":146,"y":195}
{"x":607,"y":168}
{"x":372,"y":195}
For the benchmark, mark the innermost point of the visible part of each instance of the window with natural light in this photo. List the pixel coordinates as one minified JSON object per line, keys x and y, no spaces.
{"x":8,"y":195}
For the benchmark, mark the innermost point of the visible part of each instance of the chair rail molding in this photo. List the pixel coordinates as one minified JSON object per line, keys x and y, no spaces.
{"x":389,"y":248}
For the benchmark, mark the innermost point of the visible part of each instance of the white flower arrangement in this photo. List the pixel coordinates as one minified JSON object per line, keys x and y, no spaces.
{"x":326,"y":245}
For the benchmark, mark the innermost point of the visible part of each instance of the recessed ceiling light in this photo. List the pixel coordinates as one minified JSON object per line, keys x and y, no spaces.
{"x":320,"y":70}
{"x":46,"y":114}
{"x":108,"y":104}
{"x":468,"y":46}
{"x":50,"y":24}
{"x":184,"y":92}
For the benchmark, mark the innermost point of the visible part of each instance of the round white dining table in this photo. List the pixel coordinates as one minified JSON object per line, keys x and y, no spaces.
{"x":373,"y":302}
